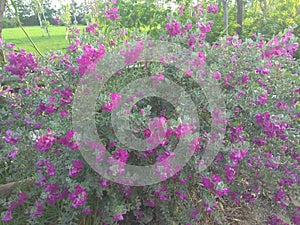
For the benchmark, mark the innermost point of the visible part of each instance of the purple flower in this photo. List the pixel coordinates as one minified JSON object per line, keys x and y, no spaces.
{"x":274,"y":220}
{"x":78,"y":196}
{"x":173,"y":28}
{"x":245,"y":79}
{"x":39,"y":209}
{"x":181,"y":9}
{"x":230,"y":172}
{"x":207,"y":183}
{"x":66,"y":141}
{"x":118,"y":216}
{"x":112,"y":14}
{"x":262,"y":99}
{"x":184,"y":129}
{"x":212,"y":8}
{"x":45,"y":142}
{"x":50,"y":170}
{"x":115,"y":102}
{"x":280,"y":197}
{"x":87,"y":211}
{"x":121,"y":155}
{"x":296,"y":219}
{"x":222,"y":192}
{"x":215,"y":178}
{"x":20,"y":63}
{"x":22,"y":197}
{"x":89,"y":57}
{"x":8,"y":217}
{"x":10,"y":137}
{"x":132,"y":54}
{"x":235,"y":131}
{"x":76,"y":168}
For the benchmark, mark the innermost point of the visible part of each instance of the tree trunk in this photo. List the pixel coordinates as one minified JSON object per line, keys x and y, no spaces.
{"x":239,"y":17}
{"x":2,"y":8}
{"x":44,"y":17}
{"x":225,"y":13}
{"x":41,"y":24}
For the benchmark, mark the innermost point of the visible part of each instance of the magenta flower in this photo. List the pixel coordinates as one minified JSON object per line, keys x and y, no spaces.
{"x":212,"y":8}
{"x":132,"y":54}
{"x":262,"y":99}
{"x":68,"y":142}
{"x":215,"y":178}
{"x":112,"y":14}
{"x":78,"y":196}
{"x":92,"y":28}
{"x":39,"y":209}
{"x":173,"y":28}
{"x":50,"y":170}
{"x":235,"y":134}
{"x":20,"y":63}
{"x":45,"y":142}
{"x":8,"y":216}
{"x":222,"y":192}
{"x":76,"y":168}
{"x":118,"y":216}
{"x":10,"y":137}
{"x":157,"y":132}
{"x":207,"y":183}
{"x":22,"y":197}
{"x":56,"y":20}
{"x":115,"y":102}
{"x":181,"y":9}
{"x":217,"y":75}
{"x":87,"y":211}
{"x":121,"y":155}
{"x":89,"y":58}
{"x":184,"y":129}
{"x":104,"y":183}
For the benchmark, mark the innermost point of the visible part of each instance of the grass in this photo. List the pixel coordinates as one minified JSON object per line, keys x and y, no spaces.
{"x":56,"y":41}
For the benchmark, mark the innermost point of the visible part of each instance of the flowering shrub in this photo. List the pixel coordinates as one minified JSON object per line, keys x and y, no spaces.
{"x":259,"y":80}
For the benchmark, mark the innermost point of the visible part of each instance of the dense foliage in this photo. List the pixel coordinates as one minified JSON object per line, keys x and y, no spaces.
{"x":258,"y":79}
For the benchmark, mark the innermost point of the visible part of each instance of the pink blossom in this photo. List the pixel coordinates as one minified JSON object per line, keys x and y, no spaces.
{"x":181,"y":9}
{"x":89,"y":58}
{"x":78,"y":196}
{"x":115,"y":102}
{"x":39,"y":209}
{"x":45,"y":142}
{"x":212,"y":8}
{"x":173,"y":28}
{"x":132,"y":54}
{"x":112,"y":14}
{"x":216,"y":75}
{"x":76,"y":168}
{"x":20,"y":63}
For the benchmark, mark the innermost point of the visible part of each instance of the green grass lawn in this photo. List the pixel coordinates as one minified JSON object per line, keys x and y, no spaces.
{"x":55,"y":42}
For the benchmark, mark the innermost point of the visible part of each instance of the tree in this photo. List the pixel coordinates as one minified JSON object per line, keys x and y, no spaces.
{"x":39,"y":11}
{"x":225,"y":13}
{"x":2,"y":9}
{"x":239,"y":17}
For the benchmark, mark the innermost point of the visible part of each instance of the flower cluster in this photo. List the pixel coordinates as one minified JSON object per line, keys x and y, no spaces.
{"x":115,"y":102}
{"x":112,"y":14}
{"x":21,"y":63}
{"x":261,"y":125}
{"x":78,"y":196}
{"x":213,"y":8}
{"x":173,"y":28}
{"x":89,"y":58}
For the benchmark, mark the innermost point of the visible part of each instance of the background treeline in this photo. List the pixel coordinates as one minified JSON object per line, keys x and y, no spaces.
{"x":245,"y":17}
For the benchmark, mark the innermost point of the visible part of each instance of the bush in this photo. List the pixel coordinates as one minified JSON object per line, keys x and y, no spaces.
{"x":47,"y":139}
{"x":9,"y":23}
